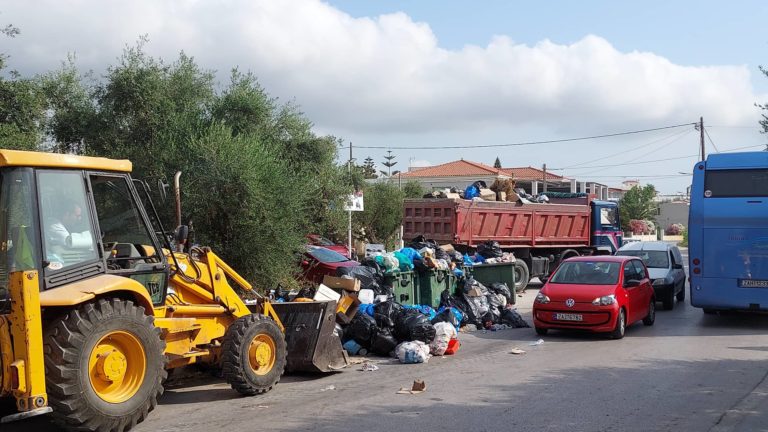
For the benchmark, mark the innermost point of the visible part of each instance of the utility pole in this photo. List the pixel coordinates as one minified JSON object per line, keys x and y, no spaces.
{"x":349,"y":227}
{"x":545,"y":177}
{"x":701,"y":133}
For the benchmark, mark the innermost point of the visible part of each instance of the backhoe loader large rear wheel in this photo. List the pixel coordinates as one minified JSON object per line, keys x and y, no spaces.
{"x":104,"y":364}
{"x":253,"y":354}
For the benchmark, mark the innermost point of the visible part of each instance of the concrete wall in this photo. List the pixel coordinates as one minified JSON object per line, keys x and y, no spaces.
{"x":671,"y":213}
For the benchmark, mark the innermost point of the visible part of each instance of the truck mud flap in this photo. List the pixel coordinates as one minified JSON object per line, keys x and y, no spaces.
{"x":312,"y":346}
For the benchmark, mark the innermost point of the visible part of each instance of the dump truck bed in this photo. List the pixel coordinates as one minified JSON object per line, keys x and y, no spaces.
{"x":513,"y":225}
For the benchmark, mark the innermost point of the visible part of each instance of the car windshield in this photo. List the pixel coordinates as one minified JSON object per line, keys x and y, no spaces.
{"x":652,"y":259}
{"x":326,"y":255}
{"x":322,"y":241}
{"x":587,"y":273}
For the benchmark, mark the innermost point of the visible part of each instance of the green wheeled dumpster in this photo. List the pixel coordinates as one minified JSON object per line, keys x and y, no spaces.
{"x":488,"y":274}
{"x":432,"y":283}
{"x":404,"y":286}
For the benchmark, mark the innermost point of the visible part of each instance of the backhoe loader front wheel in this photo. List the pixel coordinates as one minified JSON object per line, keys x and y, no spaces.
{"x":105,"y":364}
{"x":253,"y":354}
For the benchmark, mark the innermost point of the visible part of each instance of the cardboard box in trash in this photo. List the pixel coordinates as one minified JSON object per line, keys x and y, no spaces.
{"x":343,"y":284}
{"x":487,"y":194}
{"x":347,"y":307}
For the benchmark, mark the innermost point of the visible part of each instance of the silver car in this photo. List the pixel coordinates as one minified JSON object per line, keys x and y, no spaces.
{"x":665,"y":268}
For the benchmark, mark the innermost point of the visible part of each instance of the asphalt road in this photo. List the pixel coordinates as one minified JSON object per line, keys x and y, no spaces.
{"x":688,"y":372}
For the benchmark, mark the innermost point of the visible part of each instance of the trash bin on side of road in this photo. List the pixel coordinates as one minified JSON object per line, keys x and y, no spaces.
{"x":404,"y":286}
{"x":488,"y":274}
{"x":431,"y":283}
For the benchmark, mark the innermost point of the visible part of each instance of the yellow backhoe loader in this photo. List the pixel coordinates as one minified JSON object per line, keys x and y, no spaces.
{"x":96,"y":305}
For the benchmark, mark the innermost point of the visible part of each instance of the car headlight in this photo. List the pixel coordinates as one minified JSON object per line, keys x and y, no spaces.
{"x":541,"y":298}
{"x":604,"y":300}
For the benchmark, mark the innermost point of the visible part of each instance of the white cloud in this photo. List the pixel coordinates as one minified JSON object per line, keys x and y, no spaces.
{"x":388,"y":73}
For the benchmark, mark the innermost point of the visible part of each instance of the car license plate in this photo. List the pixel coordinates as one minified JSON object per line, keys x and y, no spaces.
{"x":568,"y":317}
{"x":753,"y":283}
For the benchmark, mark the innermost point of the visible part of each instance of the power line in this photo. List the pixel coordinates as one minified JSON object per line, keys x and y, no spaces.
{"x":676,"y":134}
{"x":527,"y":143}
{"x":710,"y":140}
{"x":633,"y":161}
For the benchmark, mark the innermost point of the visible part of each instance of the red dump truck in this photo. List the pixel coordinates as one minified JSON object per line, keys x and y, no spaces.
{"x":540,"y":235}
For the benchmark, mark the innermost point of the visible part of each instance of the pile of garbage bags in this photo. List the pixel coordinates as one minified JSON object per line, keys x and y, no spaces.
{"x":411,"y":333}
{"x":484,"y":306}
{"x":488,"y":252}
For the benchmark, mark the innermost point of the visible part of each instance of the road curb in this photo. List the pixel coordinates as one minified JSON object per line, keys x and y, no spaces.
{"x":747,"y":413}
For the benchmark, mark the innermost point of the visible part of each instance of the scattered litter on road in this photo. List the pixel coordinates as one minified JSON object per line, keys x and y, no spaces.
{"x":419,"y":386}
{"x":330,"y":387}
{"x":263,"y":406}
{"x":369,"y":367}
{"x":538,"y":342}
{"x":517,"y":351}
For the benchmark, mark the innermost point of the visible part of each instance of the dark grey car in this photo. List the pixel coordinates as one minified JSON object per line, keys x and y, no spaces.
{"x":665,"y":268}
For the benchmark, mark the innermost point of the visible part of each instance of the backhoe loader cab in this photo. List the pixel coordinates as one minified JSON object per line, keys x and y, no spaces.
{"x":94,"y":308}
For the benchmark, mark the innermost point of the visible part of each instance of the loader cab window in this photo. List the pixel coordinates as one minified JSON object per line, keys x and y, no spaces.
{"x":66,"y":220}
{"x":19,"y":241}
{"x":129,"y":248}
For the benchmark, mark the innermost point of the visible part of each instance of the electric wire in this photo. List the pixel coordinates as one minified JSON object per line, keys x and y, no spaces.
{"x":710,"y":140}
{"x":527,"y":143}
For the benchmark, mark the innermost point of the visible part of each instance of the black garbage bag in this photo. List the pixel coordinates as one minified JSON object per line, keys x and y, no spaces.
{"x":477,"y":309}
{"x":363,"y":329}
{"x":420,"y":242}
{"x":495,"y":306}
{"x":281,"y":293}
{"x":307,"y":292}
{"x":419,"y":328}
{"x":369,"y":277}
{"x":511,"y":318}
{"x":469,"y":283}
{"x":490,"y":249}
{"x":463,"y":307}
{"x":401,"y":331}
{"x":371,"y":262}
{"x":447,"y":316}
{"x":503,"y":289}
{"x":385,"y":314}
{"x":457,"y":257}
{"x":384,"y":342}
{"x":441,"y":254}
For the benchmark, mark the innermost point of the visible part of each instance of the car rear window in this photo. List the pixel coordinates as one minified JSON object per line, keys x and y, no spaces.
{"x":652,"y":259}
{"x":326,"y":255}
{"x":587,"y":273}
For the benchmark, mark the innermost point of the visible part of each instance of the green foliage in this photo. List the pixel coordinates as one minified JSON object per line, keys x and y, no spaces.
{"x":497,"y":163}
{"x":637,"y":204}
{"x":22,"y":106}
{"x":684,"y":243}
{"x":256,"y":179}
{"x":383,"y":215}
{"x":369,"y":168}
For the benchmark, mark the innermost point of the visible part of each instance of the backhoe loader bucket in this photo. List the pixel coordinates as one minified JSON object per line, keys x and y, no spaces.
{"x":312,"y":346}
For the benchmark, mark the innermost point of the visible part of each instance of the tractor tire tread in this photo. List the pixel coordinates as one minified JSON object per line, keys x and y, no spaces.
{"x":234,"y":366}
{"x":64,"y":341}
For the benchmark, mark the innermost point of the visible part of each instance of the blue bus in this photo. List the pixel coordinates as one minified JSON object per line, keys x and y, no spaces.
{"x":728,"y":232}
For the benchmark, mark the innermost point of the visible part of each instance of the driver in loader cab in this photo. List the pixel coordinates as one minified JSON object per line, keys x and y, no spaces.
{"x":65,"y":230}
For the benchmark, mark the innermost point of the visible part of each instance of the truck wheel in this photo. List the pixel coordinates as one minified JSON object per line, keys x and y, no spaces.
{"x":253,"y":354}
{"x":522,"y":276}
{"x":104,"y":366}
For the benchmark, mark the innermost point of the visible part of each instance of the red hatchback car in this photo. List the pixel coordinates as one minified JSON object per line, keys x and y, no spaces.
{"x":598,"y":294}
{"x":318,"y":262}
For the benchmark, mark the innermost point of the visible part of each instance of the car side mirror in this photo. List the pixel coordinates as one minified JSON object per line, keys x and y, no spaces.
{"x":631,"y":283}
{"x":677,"y":266}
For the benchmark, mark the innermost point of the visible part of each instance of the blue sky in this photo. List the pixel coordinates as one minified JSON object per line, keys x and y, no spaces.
{"x":448,"y":73}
